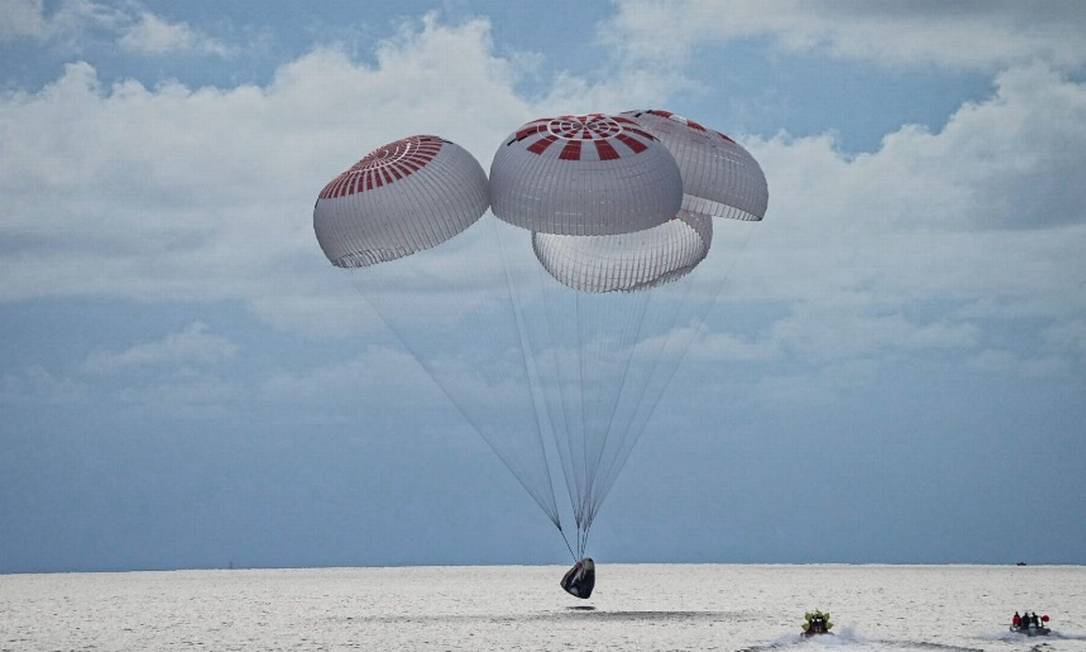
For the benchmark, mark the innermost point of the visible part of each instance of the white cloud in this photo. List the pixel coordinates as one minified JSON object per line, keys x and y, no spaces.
{"x":726,"y":346}
{"x":206,"y":194}
{"x":183,"y":395}
{"x":151,"y":34}
{"x":822,"y":386}
{"x":982,"y":212}
{"x":68,"y":24}
{"x":194,"y":345}
{"x":135,"y":30}
{"x":395,"y":372}
{"x":36,"y":384}
{"x":22,"y":19}
{"x":931,"y":243}
{"x":968,"y":35}
{"x":847,"y":326}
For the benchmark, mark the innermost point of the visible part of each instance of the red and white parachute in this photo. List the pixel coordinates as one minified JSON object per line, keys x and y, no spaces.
{"x":402,"y":198}
{"x":554,"y":327}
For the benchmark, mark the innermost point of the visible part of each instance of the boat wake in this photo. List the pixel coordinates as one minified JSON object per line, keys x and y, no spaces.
{"x":1037,"y":642}
{"x":1067,"y":636}
{"x":846,"y":638}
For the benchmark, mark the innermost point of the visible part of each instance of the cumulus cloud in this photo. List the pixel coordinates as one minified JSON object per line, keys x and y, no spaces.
{"x":968,"y":35}
{"x":194,"y":345}
{"x":722,"y":346}
{"x":206,"y":194}
{"x":929,"y":245}
{"x":978,"y":212}
{"x":151,"y":34}
{"x":135,"y":30}
{"x":396,"y":372}
{"x":22,"y":19}
{"x":830,"y":330}
{"x":187,"y":395}
{"x":27,"y":19}
{"x":822,"y":385}
{"x":932,"y":243}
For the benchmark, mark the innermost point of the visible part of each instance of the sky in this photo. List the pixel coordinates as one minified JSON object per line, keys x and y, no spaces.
{"x":895,"y":370}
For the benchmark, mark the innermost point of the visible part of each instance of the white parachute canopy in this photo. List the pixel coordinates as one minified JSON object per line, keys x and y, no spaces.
{"x":402,"y":198}
{"x":597,"y":198}
{"x":607,"y":341}
{"x":404,"y":220}
{"x":627,"y":261}
{"x":556,"y":328}
{"x":720,"y":178}
{"x":584,"y":175}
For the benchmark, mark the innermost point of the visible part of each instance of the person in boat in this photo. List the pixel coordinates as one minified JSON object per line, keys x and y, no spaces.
{"x":1016,"y":621}
{"x":1034,"y":620}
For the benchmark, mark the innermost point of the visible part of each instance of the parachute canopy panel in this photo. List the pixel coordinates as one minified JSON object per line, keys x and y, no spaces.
{"x":404,"y":197}
{"x":629,"y":261}
{"x":720,"y":177}
{"x":584,"y":175}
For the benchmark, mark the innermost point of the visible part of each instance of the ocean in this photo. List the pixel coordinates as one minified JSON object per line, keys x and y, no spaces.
{"x":635,"y":607}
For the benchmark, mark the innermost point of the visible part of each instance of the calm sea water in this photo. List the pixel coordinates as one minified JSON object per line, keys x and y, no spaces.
{"x":636,"y":607}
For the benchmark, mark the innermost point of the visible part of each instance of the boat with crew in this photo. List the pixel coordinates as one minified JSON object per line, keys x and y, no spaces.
{"x":816,"y":623}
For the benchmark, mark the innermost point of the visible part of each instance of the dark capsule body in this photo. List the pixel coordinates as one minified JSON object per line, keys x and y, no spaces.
{"x":581,"y":579}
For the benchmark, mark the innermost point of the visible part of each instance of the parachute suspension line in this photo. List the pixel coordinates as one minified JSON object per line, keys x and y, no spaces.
{"x":607,"y":355}
{"x":580,"y":395}
{"x":609,"y":328}
{"x":631,"y":426}
{"x":603,"y":352}
{"x":660,"y":361}
{"x":631,"y":346}
{"x":558,"y":399}
{"x":557,"y":385}
{"x":566,"y":452}
{"x":552,"y":513}
{"x":565,"y":540}
{"x":530,"y":371}
{"x":568,"y":547}
{"x":586,"y":530}
{"x":684,"y":349}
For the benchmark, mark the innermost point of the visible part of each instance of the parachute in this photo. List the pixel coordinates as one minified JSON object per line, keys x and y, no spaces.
{"x":629,"y":261}
{"x":720,"y":178}
{"x":433,"y":190}
{"x":584,"y":175}
{"x":555,"y":326}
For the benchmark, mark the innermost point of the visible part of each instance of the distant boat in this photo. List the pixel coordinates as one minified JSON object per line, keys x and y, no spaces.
{"x":816,"y":623}
{"x":1031,"y":631}
{"x":1021,"y":563}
